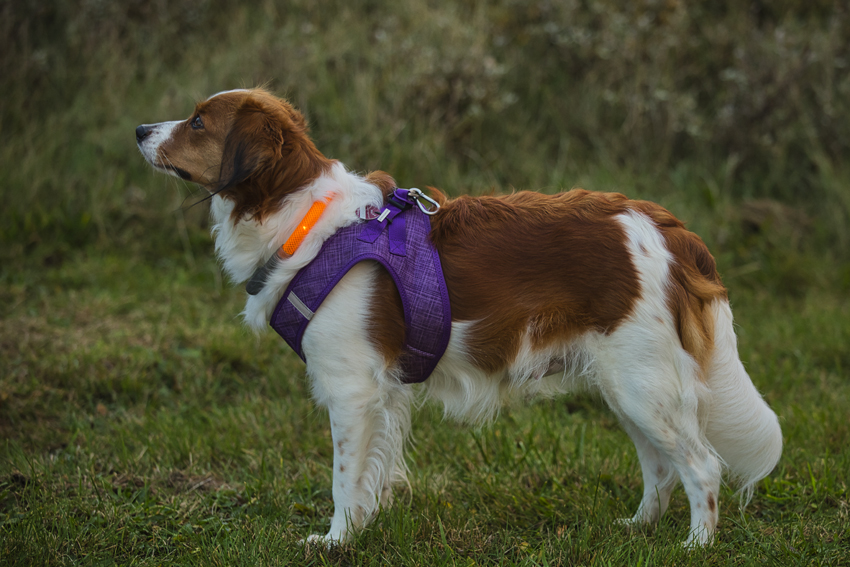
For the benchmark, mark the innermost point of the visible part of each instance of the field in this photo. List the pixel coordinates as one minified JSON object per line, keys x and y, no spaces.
{"x":141,"y":424}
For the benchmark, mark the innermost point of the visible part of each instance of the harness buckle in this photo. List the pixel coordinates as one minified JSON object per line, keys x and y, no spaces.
{"x":430,"y":208}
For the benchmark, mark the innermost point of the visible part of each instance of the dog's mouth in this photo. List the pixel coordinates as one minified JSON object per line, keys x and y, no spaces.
{"x":149,"y":139}
{"x":164,"y":165}
{"x":171,"y":169}
{"x":181,"y":173}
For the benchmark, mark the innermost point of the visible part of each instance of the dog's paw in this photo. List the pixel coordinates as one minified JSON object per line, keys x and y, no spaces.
{"x":633,"y":522}
{"x":326,"y":541}
{"x":698,"y":539}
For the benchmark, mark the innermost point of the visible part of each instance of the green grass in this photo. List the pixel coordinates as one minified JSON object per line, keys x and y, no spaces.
{"x":143,"y":425}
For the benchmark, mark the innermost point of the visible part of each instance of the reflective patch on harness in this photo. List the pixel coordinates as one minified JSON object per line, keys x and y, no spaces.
{"x":299,"y":305}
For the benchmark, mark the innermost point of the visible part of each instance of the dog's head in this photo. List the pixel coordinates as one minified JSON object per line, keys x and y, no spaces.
{"x":245,"y":145}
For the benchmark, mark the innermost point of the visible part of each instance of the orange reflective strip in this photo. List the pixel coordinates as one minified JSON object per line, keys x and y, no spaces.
{"x":293,"y":242}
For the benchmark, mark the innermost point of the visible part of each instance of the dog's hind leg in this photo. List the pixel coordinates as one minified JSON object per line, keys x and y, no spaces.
{"x":654,"y":391}
{"x":659,"y":477}
{"x":648,"y":377}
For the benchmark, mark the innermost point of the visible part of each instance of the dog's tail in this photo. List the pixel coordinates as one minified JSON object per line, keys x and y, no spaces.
{"x":740,"y":426}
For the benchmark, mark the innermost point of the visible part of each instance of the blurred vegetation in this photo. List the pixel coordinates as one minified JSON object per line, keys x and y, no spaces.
{"x":708,"y":107}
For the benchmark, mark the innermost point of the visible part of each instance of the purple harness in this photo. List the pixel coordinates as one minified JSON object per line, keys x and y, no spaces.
{"x":398,"y":239}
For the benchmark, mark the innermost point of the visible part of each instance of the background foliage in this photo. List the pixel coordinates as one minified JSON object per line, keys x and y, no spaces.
{"x":729,"y":100}
{"x":142,"y":425}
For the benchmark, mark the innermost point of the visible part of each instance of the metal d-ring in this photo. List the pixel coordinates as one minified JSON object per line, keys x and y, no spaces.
{"x":419,"y":196}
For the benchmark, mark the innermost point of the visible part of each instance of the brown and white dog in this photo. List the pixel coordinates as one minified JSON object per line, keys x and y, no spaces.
{"x":548,"y":294}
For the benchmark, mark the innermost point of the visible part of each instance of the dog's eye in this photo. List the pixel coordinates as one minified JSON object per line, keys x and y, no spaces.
{"x":197,"y":123}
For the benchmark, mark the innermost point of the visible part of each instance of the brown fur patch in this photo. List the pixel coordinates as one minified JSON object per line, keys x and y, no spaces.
{"x":382,"y":181}
{"x":694,"y":284}
{"x":197,"y":152}
{"x":386,"y":317}
{"x":555,"y":266}
{"x":267,"y":155}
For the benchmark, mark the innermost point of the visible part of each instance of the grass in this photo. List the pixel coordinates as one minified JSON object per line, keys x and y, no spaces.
{"x":143,"y":425}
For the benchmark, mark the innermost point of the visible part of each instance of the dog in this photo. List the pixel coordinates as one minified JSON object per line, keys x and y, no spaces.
{"x":548,"y":294}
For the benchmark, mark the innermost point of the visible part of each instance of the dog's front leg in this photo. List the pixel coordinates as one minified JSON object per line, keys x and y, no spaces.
{"x":354,"y":491}
{"x":369,"y":408}
{"x":369,"y":423}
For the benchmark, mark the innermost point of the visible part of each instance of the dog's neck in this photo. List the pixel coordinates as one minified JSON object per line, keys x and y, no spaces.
{"x":245,"y":244}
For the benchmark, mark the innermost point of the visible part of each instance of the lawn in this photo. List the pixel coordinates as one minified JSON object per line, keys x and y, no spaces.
{"x":143,"y":425}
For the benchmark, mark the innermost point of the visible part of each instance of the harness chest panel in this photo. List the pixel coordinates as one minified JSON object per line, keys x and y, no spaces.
{"x":402,"y":246}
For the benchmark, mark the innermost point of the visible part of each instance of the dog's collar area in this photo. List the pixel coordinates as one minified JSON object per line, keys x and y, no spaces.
{"x":307,"y":223}
{"x":258,"y":280}
{"x":398,"y":201}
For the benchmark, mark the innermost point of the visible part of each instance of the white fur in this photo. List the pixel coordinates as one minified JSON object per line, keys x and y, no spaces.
{"x":740,"y":426}
{"x":469,"y":394}
{"x":149,"y":146}
{"x":652,"y":384}
{"x":227,"y":92}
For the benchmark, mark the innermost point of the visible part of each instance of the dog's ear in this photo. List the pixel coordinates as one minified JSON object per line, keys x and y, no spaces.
{"x":257,"y":138}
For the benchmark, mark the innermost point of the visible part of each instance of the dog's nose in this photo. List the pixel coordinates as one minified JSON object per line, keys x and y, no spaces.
{"x":142,"y":132}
